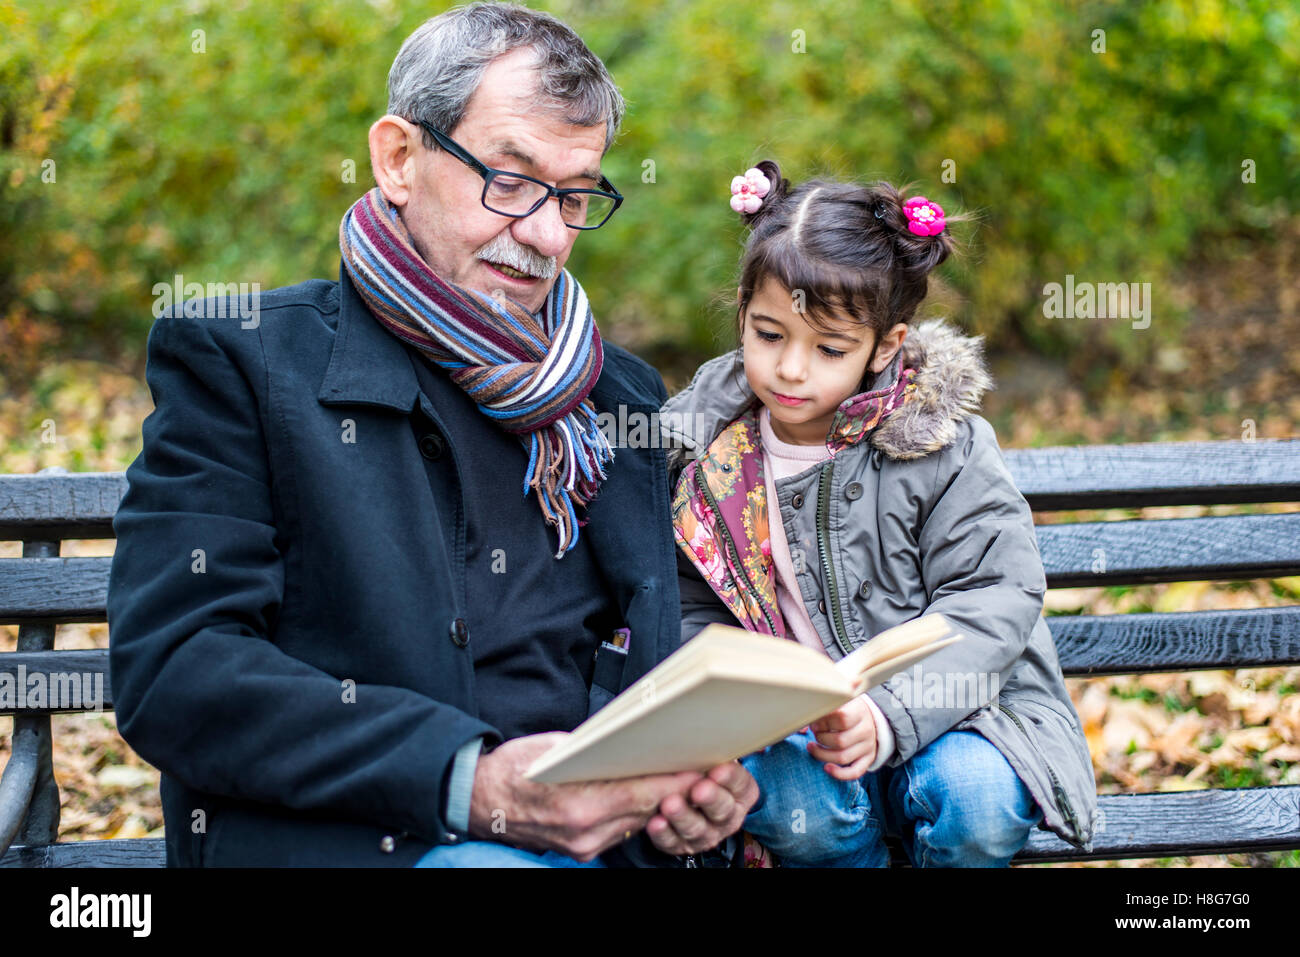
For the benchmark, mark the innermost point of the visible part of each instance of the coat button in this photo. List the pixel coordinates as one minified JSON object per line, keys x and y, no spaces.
{"x":797,"y":501}
{"x":864,"y":589}
{"x":431,"y":445}
{"x":854,"y":491}
{"x":387,"y":844}
{"x":821,"y":605}
{"x":459,"y":632}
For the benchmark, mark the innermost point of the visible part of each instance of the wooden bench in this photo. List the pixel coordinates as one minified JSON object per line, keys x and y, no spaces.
{"x":1144,"y":551}
{"x":41,"y":590}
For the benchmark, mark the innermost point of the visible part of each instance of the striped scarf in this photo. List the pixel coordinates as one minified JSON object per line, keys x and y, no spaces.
{"x":530,"y":376}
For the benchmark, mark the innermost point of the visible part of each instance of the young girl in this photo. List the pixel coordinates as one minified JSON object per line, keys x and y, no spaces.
{"x":833,"y":480}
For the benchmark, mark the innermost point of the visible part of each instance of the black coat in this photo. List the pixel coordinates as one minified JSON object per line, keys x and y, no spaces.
{"x":263,"y":562}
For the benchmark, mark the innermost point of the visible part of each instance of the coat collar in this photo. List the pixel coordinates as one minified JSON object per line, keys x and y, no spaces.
{"x":951,"y":379}
{"x":370,"y":366}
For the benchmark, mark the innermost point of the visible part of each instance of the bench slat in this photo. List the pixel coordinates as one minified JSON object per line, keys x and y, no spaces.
{"x":119,"y":852}
{"x":1157,"y":473}
{"x":1211,"y":821}
{"x":90,"y":666}
{"x":1183,"y":823}
{"x":1174,"y":549}
{"x":1091,"y":645}
{"x":81,"y":505}
{"x":1088,"y":646}
{"x":61,"y":589}
{"x":53,"y":507}
{"x":1134,"y":552}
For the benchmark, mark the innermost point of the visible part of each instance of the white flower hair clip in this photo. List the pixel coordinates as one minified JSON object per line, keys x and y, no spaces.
{"x":747,"y":191}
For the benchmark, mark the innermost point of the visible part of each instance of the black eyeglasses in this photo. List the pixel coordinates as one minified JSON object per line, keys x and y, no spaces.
{"x":514,"y":194}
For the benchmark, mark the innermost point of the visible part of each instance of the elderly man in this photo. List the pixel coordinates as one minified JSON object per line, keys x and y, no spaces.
{"x":338,"y":627}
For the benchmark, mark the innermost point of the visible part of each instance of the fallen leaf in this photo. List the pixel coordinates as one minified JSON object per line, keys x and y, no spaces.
{"x":1202,"y":683}
{"x":1174,"y":745}
{"x":1283,"y":752}
{"x":132,"y":827}
{"x":1214,"y":705}
{"x":1261,"y":707}
{"x":1251,"y":739}
{"x":125,"y":777}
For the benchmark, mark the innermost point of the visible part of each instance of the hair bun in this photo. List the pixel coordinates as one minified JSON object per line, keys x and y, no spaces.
{"x":777,"y":191}
{"x":920,"y":245}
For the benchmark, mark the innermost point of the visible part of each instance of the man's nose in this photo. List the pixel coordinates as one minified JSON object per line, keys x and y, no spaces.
{"x":544,"y":230}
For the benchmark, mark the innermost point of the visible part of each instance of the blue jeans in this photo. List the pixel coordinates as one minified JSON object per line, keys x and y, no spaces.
{"x":492,"y":854}
{"x":955,"y":803}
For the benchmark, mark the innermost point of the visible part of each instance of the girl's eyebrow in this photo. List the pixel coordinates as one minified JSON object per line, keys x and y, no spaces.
{"x":827,"y":335}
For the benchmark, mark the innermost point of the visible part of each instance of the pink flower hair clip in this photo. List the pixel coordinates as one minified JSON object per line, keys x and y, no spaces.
{"x":747,"y":191}
{"x":923,"y":217}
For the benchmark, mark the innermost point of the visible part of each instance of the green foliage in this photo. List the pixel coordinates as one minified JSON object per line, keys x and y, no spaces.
{"x":227,"y":164}
{"x":1252,"y":776}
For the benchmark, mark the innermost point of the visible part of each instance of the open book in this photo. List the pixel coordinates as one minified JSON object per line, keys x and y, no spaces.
{"x":727,"y":693}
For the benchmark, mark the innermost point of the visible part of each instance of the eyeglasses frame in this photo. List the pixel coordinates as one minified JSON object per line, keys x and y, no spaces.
{"x":489,"y":173}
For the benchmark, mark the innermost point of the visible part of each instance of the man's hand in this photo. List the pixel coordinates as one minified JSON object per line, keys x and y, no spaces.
{"x":713,"y":809}
{"x":581,"y":820}
{"x":846,"y":740}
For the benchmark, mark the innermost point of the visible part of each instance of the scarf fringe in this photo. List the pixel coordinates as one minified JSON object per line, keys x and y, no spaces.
{"x":563,"y":455}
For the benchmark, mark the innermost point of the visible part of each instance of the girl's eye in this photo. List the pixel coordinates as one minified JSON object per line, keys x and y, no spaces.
{"x":832,"y":353}
{"x":767,"y":336}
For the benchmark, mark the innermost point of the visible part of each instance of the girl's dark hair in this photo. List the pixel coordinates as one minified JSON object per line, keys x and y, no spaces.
{"x":846,"y":246}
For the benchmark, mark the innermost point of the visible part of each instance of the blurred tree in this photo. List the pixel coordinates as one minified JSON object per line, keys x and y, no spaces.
{"x":216,"y":140}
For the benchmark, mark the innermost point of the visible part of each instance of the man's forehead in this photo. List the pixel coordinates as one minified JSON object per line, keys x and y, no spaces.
{"x":503,"y":119}
{"x":515,"y":148}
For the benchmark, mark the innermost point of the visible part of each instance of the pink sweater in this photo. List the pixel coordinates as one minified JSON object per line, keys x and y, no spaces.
{"x":781,"y":460}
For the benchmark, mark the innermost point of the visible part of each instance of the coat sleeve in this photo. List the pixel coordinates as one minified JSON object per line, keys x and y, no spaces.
{"x":200,"y":687}
{"x":981,"y":568}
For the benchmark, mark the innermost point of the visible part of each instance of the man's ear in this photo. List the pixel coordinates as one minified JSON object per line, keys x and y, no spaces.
{"x":392,"y":156}
{"x":889,"y":345}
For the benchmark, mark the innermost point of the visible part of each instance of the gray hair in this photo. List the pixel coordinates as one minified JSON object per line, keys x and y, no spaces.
{"x":440,"y":65}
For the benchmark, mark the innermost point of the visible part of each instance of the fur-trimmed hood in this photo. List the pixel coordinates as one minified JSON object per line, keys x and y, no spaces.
{"x":951,"y":379}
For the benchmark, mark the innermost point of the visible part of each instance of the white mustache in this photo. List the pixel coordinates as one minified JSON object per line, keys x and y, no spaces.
{"x":502,"y":250}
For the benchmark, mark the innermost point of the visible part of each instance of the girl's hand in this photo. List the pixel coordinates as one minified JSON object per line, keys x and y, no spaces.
{"x":847,"y":740}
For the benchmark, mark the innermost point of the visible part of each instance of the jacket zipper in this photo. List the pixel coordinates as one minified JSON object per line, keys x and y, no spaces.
{"x":731,"y":546}
{"x":823,"y":549}
{"x":1057,"y":790}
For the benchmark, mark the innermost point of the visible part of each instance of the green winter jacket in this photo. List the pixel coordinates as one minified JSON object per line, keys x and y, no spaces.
{"x":918,"y":515}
